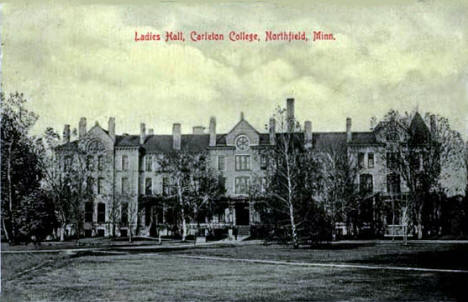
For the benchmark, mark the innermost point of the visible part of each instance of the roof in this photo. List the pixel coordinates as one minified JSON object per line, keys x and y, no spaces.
{"x":420,"y":133}
{"x":199,"y":142}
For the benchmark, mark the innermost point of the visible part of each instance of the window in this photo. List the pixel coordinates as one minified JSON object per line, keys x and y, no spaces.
{"x":393,"y":136}
{"x":100,"y":162}
{"x":361,"y":160}
{"x":101,"y":218}
{"x":263,"y":161}
{"x":166,"y":186}
{"x":124,"y":162}
{"x":242,"y":162}
{"x":366,"y":183}
{"x":416,"y":161}
{"x":393,"y":183}
{"x":370,"y":160}
{"x":67,"y":163}
{"x":242,"y":185}
{"x":242,"y":142}
{"x":90,"y":162}
{"x":392,"y":160}
{"x":124,"y":214}
{"x":148,"y":186}
{"x":100,"y":188}
{"x":222,"y":181}
{"x":221,"y":162}
{"x":125,"y":185}
{"x":89,"y":211}
{"x":90,"y":185}
{"x":148,"y":162}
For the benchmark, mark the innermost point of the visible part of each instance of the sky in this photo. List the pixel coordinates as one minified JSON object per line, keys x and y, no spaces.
{"x":80,"y":59}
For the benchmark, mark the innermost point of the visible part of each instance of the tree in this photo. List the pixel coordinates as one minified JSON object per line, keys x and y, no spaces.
{"x":66,"y":179}
{"x":195,"y":186}
{"x":205,"y":190}
{"x":291,"y":177}
{"x":423,"y":157}
{"x":133,"y":220}
{"x":37,"y":217}
{"x":20,"y":174}
{"x":339,"y":191}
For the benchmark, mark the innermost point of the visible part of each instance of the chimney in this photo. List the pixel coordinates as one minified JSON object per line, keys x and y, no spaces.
{"x":142,"y":133}
{"x":272,"y":130}
{"x":373,"y":123}
{"x":308,"y":134}
{"x":197,"y":130}
{"x":82,"y":128}
{"x":290,"y":114}
{"x":433,"y":126}
{"x":176,"y":136}
{"x":348,"y":130}
{"x":212,"y":131}
{"x":111,"y":127}
{"x":150,"y":131}
{"x":66,"y":134}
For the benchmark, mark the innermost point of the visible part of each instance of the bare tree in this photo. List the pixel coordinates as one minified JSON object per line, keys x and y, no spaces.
{"x":66,"y":179}
{"x":291,"y":176}
{"x":423,"y":157}
{"x":195,"y":186}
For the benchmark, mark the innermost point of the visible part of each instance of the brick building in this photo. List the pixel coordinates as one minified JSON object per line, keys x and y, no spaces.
{"x":125,"y":167}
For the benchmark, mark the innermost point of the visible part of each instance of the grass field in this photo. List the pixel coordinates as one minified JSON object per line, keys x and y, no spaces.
{"x":171,"y":277}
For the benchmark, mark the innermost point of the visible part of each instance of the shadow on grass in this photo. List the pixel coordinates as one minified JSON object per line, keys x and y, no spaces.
{"x":454,"y":258}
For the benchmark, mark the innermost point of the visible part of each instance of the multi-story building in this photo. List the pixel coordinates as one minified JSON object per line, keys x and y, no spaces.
{"x":125,"y":167}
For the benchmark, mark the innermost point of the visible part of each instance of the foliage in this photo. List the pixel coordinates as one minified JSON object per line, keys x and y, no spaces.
{"x":293,"y":180}
{"x":425,"y":159}
{"x":37,"y":217}
{"x":67,"y":178}
{"x":195,"y":188}
{"x":20,"y":172}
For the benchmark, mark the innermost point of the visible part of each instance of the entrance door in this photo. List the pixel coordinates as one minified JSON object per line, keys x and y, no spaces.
{"x":242,"y":213}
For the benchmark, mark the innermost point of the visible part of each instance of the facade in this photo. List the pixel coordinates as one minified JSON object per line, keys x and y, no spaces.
{"x":123,"y":168}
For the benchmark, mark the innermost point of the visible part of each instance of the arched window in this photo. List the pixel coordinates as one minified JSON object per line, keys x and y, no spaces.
{"x":101,"y":162}
{"x":95,"y":146}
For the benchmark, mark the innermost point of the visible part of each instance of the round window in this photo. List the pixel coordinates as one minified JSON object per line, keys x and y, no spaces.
{"x":242,"y":142}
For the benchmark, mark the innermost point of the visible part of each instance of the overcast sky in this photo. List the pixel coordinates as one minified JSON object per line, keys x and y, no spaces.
{"x":82,"y":60}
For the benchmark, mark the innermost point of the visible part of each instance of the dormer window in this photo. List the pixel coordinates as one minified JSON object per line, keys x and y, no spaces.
{"x":242,"y":142}
{"x":393,"y":136}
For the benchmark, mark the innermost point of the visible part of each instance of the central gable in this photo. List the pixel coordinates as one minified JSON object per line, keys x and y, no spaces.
{"x":99,"y":137}
{"x":242,"y":128}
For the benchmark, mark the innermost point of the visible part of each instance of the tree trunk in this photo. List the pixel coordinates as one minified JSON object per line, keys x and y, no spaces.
{"x":291,"y":206}
{"x":62,"y":232}
{"x":182,"y":211}
{"x":184,"y":225}
{"x":5,"y":230}
{"x":10,"y":196}
{"x":130,"y":237}
{"x":419,"y":222}
{"x":293,"y":226}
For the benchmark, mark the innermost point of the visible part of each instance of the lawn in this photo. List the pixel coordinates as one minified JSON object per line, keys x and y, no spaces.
{"x":170,"y":277}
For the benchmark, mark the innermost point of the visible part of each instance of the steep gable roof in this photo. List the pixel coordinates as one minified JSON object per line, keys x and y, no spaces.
{"x":419,"y":131}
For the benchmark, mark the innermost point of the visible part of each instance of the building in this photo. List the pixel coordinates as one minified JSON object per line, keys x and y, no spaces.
{"x":122,"y":168}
